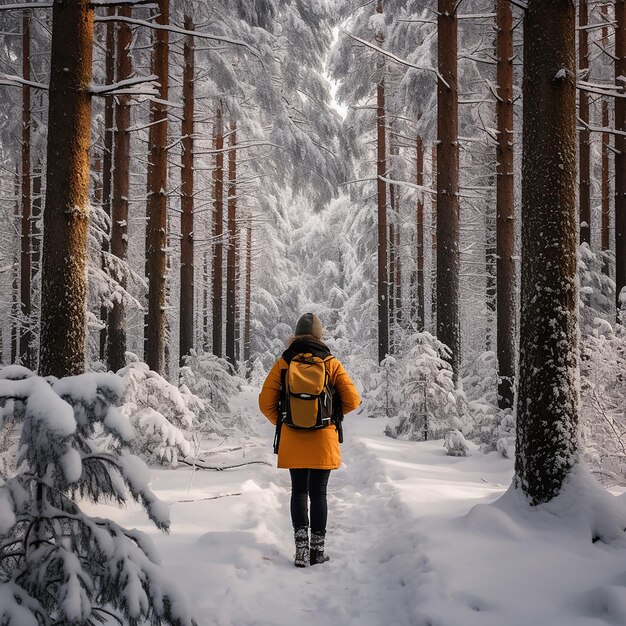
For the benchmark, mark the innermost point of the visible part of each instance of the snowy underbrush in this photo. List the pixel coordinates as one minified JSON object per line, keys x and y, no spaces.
{"x":603,"y":386}
{"x":213,"y":381}
{"x":419,"y":391}
{"x":58,"y":565}
{"x":161,"y":413}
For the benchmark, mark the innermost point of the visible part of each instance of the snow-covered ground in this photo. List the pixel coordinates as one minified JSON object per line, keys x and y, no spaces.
{"x":407,"y":541}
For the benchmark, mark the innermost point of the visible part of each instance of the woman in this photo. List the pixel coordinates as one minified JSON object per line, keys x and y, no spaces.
{"x":309,"y":455}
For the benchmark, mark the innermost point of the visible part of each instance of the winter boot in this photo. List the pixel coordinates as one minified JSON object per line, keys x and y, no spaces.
{"x":301,"y":535}
{"x":317,"y":549}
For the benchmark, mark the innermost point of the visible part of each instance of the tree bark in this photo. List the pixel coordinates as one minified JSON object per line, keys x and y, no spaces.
{"x":605,"y":237}
{"x":419,"y":180}
{"x":25,"y":285}
{"x":381,"y":186}
{"x":433,"y":241}
{"x":64,"y":276}
{"x":448,"y":184}
{"x":231,"y":258}
{"x":584,"y":172}
{"x":620,"y":152}
{"x":218,"y":217}
{"x":116,"y":344}
{"x":107,"y":158}
{"x":505,"y":209}
{"x":248,"y":292}
{"x":156,"y":229}
{"x":548,"y":397}
{"x":187,"y":200}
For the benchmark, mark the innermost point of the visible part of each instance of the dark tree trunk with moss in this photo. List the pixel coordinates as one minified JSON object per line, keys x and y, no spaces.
{"x":505,"y":210}
{"x":548,"y":397}
{"x":25,"y":258}
{"x":218,"y":227}
{"x":448,"y":183}
{"x":66,"y":218}
{"x":231,"y":253}
{"x":584,"y":136}
{"x":381,"y":187}
{"x":186,"y":201}
{"x":107,"y":158}
{"x":620,"y":150}
{"x":116,"y":340}
{"x":156,"y":230}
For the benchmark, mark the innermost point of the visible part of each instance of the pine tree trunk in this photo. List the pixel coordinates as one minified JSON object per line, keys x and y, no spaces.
{"x":25,"y":286}
{"x":107,"y":159}
{"x":248,"y":292}
{"x":15,"y":270}
{"x":547,"y":404}
{"x":605,"y":237}
{"x":156,"y":229}
{"x":448,"y":184}
{"x":116,"y":343}
{"x":419,"y":180}
{"x":205,"y":301}
{"x":381,"y":186}
{"x":231,"y":258}
{"x":64,"y":275}
{"x":218,"y":217}
{"x":620,"y":151}
{"x":505,"y":209}
{"x":433,"y":242}
{"x":584,"y":172}
{"x":187,"y":201}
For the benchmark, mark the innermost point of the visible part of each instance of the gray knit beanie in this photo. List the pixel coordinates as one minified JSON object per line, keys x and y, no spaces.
{"x":309,"y":324}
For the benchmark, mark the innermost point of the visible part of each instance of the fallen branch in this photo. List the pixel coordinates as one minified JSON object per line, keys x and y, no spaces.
{"x":222,"y":495}
{"x":225,"y":467}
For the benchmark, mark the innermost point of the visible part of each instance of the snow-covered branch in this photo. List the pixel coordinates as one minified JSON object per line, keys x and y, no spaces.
{"x":397,"y":59}
{"x":10,"y":80}
{"x":122,"y":87}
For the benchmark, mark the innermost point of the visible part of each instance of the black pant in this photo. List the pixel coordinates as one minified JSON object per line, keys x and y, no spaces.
{"x":305,"y":484}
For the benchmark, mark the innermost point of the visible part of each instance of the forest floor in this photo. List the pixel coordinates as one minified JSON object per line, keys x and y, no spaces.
{"x":413,"y":535}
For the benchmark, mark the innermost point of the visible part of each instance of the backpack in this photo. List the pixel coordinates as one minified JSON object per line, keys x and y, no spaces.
{"x":307,"y":393}
{"x":308,"y":399}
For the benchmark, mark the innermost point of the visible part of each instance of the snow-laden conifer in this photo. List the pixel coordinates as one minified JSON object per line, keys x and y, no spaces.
{"x":59,"y":565}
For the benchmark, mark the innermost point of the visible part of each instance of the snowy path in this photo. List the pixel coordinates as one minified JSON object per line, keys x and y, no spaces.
{"x":408,"y":546}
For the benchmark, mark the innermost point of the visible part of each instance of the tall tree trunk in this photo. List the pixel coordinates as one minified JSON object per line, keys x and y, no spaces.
{"x":107,"y":159}
{"x":248,"y":292}
{"x":15,"y":271}
{"x":64,"y":275}
{"x":605,"y":237}
{"x":205,"y":301}
{"x":584,"y":172}
{"x":433,"y":241}
{"x":547,"y":404}
{"x":505,"y":209}
{"x":381,"y":186}
{"x":620,"y":151}
{"x":186,"y":200}
{"x":448,"y":184}
{"x":231,"y":259}
{"x":25,"y":286}
{"x":419,"y":180}
{"x":116,"y":344}
{"x":156,"y":229}
{"x":218,"y":217}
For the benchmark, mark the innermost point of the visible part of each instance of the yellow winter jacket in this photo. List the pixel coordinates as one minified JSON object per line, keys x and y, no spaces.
{"x":313,"y":449}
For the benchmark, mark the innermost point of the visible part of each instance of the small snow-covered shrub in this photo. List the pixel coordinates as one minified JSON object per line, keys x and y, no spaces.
{"x":385,"y":393}
{"x":159,"y":411}
{"x":596,"y":288}
{"x":58,"y":565}
{"x":480,"y":384}
{"x":431,"y":403}
{"x":211,"y":379}
{"x":505,"y":436}
{"x":603,"y":390}
{"x":455,"y":443}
